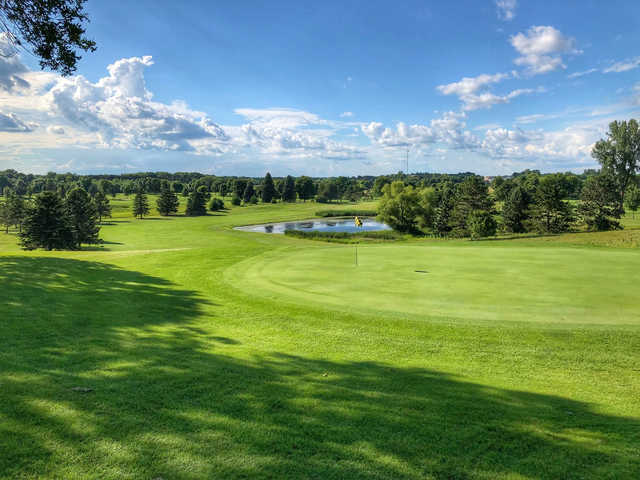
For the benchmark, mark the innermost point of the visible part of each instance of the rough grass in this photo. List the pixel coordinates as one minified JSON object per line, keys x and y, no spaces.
{"x":346,"y":212}
{"x":346,"y":237}
{"x":197,"y":371}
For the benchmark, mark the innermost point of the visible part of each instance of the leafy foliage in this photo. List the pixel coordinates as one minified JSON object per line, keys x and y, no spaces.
{"x":216,"y":204}
{"x":53,"y":28}
{"x":400,"y":207}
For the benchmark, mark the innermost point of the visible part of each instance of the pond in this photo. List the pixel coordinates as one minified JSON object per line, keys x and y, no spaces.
{"x":319,"y":225}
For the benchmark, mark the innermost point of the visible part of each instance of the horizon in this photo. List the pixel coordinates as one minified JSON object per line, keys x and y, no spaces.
{"x":327,"y":90}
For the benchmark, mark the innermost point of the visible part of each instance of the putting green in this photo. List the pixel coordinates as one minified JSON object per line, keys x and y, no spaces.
{"x":483,"y":283}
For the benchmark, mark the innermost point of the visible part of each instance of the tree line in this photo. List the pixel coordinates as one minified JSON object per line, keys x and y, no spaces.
{"x":528,"y":202}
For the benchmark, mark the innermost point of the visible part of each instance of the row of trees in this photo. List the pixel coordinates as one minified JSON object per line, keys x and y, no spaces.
{"x":530,"y":202}
{"x":52,"y":222}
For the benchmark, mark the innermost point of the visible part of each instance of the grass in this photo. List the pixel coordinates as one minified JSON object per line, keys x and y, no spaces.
{"x":215,"y":353}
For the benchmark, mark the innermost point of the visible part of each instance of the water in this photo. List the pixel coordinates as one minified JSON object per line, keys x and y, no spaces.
{"x":324,"y":225}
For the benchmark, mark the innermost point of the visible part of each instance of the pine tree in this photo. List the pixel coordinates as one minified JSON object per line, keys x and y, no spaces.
{"x":82,"y":217}
{"x":196,"y":204}
{"x":167,"y":202}
{"x":249,"y":192}
{"x":289,"y":192}
{"x":46,"y":224}
{"x":140,"y":205}
{"x":103,"y":207}
{"x":472,"y":194}
{"x":16,"y":210}
{"x":515,"y":210}
{"x":268,"y":189}
{"x":550,"y":213}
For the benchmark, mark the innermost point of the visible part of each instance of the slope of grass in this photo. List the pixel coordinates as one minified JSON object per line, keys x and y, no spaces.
{"x":198,"y":368}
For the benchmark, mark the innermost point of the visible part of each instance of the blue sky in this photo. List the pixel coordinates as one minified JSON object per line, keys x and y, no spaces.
{"x":328,"y":88}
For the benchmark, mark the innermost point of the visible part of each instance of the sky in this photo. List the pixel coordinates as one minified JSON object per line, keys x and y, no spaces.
{"x":328,"y":88}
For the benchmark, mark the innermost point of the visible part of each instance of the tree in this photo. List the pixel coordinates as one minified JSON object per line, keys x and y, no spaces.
{"x":216,"y":204}
{"x":304,"y":188}
{"x":632,"y":199}
{"x":289,"y":191}
{"x":102,"y":205}
{"x":16,"y":210}
{"x":268,"y":189}
{"x":248,"y":192}
{"x":400,"y":207}
{"x":46,"y":224}
{"x":619,"y":156}
{"x":236,"y":200}
{"x":445,"y":193}
{"x":515,"y":210}
{"x":472,"y":194}
{"x":599,"y":204}
{"x":328,"y":190}
{"x":167,"y":203}
{"x":140,"y":205}
{"x":550,"y":213}
{"x":82,"y":217}
{"x":54,"y":29}
{"x":196,"y":204}
{"x":481,"y":224}
{"x":239,"y":186}
{"x":5,"y":217}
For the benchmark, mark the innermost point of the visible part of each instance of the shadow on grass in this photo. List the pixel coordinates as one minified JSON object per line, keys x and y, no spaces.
{"x":170,"y":400}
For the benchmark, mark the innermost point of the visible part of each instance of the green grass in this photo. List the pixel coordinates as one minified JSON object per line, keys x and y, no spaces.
{"x":215,"y":353}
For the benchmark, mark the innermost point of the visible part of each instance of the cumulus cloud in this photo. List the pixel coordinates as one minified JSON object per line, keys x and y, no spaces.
{"x":11,"y":123}
{"x":11,"y":69}
{"x":541,"y":49}
{"x":506,"y":9}
{"x":472,"y":91}
{"x":346,"y":115}
{"x":623,"y":66}
{"x":450,"y":130}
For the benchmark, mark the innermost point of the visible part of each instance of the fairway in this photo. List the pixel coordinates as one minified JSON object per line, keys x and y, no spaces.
{"x":184,"y":349}
{"x":492,"y":282}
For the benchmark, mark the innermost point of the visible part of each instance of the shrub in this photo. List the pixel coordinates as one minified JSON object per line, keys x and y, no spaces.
{"x":236,"y":200}
{"x":216,"y":204}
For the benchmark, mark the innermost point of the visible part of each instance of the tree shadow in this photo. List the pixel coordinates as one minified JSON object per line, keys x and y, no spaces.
{"x":170,"y":399}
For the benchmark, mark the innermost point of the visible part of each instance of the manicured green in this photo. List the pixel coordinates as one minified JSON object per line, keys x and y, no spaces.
{"x":216,"y":353}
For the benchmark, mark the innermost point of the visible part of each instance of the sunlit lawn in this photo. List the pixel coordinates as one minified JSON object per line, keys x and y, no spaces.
{"x":214,"y":353}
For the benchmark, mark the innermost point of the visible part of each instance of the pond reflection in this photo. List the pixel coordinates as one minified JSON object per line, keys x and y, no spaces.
{"x":333,"y":225}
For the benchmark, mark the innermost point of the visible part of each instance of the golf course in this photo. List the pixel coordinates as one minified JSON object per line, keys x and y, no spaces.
{"x":181,"y":348}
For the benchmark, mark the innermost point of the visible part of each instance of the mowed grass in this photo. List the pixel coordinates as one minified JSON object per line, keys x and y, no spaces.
{"x":214,"y":353}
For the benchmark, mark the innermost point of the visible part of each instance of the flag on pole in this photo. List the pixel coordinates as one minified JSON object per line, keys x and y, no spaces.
{"x":358,"y":222}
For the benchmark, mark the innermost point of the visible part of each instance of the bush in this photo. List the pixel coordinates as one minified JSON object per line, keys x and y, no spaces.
{"x":216,"y":204}
{"x":236,"y":200}
{"x":481,"y":224}
{"x":346,"y":213}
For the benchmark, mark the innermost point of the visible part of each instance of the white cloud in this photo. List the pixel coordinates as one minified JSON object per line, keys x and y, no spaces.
{"x":582,"y":74}
{"x":541,"y":49}
{"x":470,"y":85}
{"x":450,"y":130}
{"x":506,"y":9}
{"x":11,"y":123}
{"x":346,"y":115}
{"x":624,"y":66}
{"x":11,"y":69}
{"x":55,"y":129}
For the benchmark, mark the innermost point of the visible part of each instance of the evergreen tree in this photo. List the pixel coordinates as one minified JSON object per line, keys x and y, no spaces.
{"x":167,"y":203}
{"x":16,"y":210}
{"x":550,"y":213}
{"x":140,"y":205}
{"x":515,"y":210}
{"x":82,"y":217}
{"x":599,"y":205}
{"x":5,"y":217}
{"x":443,"y":209}
{"x":472,"y":194}
{"x":103,"y":207}
{"x":196,"y":204}
{"x":46,"y":224}
{"x":268,"y":189}
{"x":289,"y":192}
{"x":248,"y":192}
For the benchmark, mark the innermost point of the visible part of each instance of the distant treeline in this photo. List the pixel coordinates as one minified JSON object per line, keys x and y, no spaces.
{"x":323,"y":190}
